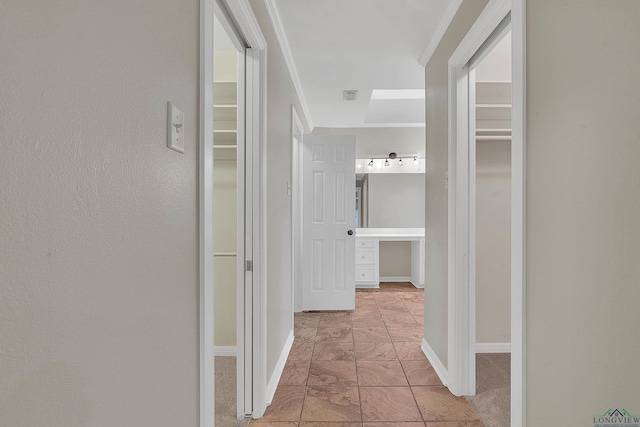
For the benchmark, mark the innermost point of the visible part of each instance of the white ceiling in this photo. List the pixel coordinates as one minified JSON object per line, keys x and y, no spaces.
{"x":359,"y":45}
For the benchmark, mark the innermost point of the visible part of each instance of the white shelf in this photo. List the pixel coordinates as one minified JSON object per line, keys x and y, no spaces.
{"x":493,"y":138}
{"x":493,"y":105}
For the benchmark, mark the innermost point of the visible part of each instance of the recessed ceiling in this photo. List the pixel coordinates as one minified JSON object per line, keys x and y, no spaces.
{"x":360,"y":45}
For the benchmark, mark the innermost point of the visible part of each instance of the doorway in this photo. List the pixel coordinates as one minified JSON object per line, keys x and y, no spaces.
{"x":228,"y":223}
{"x":490,"y":193}
{"x":232,"y":163}
{"x":496,"y":20}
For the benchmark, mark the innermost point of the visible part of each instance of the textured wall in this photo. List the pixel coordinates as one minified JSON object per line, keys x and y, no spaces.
{"x":583,"y":234}
{"x":98,"y":219}
{"x":436,"y":247}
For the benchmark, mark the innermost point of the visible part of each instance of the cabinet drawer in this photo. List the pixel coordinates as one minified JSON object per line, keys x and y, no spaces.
{"x":365,"y":243}
{"x":366,"y":256}
{"x":365,"y":274}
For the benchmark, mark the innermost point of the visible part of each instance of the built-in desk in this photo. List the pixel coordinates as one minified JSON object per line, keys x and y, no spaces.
{"x":368,"y":253}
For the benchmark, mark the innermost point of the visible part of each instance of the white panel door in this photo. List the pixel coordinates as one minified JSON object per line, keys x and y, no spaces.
{"x":328,"y":212}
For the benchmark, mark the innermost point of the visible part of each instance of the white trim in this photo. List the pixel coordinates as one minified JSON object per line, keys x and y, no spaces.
{"x":395,"y":279}
{"x":488,"y":21}
{"x":246,"y":21}
{"x":441,"y":29}
{"x":371,"y":125}
{"x":221,"y":350}
{"x":493,"y":347}
{"x":367,"y":285}
{"x":244,"y":347}
{"x":435,"y":361}
{"x":518,"y":214}
{"x":461,"y":319}
{"x":277,"y":371}
{"x":297,"y":133}
{"x":260,"y":259}
{"x":281,"y":35}
{"x":205,"y":220}
{"x":417,"y":285}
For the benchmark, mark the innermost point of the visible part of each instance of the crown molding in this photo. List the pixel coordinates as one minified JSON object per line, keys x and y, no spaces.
{"x":439,"y":33}
{"x":281,"y":35}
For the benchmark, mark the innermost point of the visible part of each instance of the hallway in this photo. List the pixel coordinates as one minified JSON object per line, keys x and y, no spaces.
{"x":364,"y":368}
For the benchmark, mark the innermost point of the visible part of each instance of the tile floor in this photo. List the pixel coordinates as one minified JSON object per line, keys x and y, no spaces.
{"x":364,"y":369}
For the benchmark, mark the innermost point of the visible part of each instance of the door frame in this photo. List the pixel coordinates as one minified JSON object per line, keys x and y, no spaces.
{"x":297,"y":135}
{"x":205,"y":212}
{"x":255,"y":130}
{"x":461,"y":299}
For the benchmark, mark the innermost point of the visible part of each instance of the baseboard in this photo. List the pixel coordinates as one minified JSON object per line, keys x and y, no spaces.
{"x":277,"y":371}
{"x":395,"y":279}
{"x":442,"y":372}
{"x":367,"y":285}
{"x":493,"y":347}
{"x":221,"y":350}
{"x":417,"y":285}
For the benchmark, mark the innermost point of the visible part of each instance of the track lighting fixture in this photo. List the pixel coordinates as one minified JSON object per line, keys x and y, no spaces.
{"x":392,"y":156}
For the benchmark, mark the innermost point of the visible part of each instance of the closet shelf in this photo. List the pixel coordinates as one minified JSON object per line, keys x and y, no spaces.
{"x":493,"y":137}
{"x":493,"y":105}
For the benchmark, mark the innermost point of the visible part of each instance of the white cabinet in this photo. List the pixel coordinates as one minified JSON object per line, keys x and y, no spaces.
{"x":367,"y":267}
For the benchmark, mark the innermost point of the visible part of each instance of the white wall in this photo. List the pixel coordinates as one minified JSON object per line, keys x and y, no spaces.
{"x":396,"y":200}
{"x":225,"y":187}
{"x":98,"y":218}
{"x":225,"y":195}
{"x":496,"y":66}
{"x":493,"y":242}
{"x":395,"y":259}
{"x":583,"y":233}
{"x":281,"y":95}
{"x":378,"y":142}
{"x":436,"y":245}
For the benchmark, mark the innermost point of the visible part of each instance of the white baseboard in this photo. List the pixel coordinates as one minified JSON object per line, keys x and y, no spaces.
{"x":442,"y":372}
{"x":367,"y":285}
{"x":417,"y":285}
{"x":221,"y":350}
{"x":493,"y":347}
{"x":395,"y":279}
{"x":277,"y":371}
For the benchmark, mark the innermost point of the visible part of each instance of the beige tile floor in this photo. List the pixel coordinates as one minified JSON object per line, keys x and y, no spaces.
{"x":364,"y":368}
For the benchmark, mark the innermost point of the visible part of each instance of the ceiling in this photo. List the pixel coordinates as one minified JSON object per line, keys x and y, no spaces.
{"x":361,"y":45}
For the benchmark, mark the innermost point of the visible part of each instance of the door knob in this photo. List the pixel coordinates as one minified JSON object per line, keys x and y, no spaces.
{"x":350,"y":232}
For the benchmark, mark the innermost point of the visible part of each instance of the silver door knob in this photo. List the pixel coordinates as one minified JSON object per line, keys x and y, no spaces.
{"x":350,"y":232}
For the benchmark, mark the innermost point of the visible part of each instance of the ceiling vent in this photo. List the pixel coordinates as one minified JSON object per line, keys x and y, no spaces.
{"x":349,"y":95}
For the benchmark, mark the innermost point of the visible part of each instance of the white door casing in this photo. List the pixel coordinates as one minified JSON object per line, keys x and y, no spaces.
{"x":328,"y":218}
{"x":460,"y":358}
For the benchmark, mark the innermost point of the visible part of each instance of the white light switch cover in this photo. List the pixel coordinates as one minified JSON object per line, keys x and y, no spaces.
{"x":175,"y":128}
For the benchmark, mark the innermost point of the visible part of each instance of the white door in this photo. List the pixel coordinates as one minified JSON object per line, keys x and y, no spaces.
{"x":328,"y":213}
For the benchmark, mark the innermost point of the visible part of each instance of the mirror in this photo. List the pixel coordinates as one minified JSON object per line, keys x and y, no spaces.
{"x":390,"y":200}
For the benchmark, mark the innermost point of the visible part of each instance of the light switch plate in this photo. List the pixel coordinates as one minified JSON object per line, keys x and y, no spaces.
{"x":175,"y":128}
